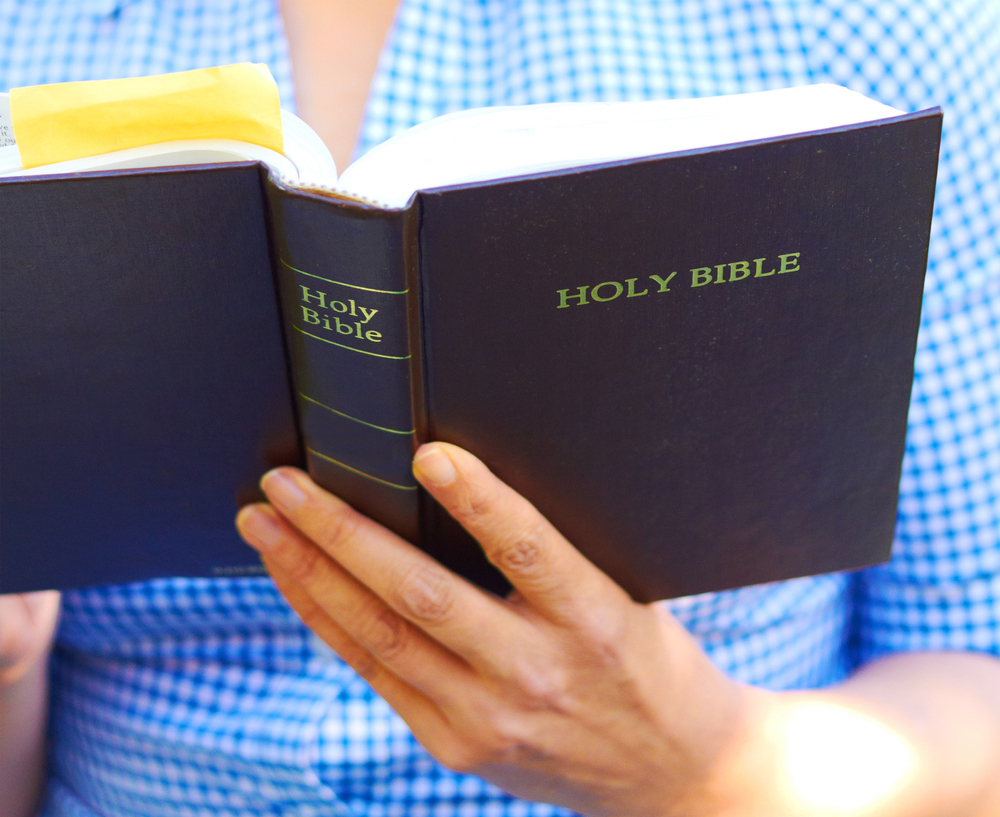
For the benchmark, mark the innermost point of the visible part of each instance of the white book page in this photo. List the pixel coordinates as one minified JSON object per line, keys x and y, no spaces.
{"x":6,"y":125}
{"x":494,"y":143}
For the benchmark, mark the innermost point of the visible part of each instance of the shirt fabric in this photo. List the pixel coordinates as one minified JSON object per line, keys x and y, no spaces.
{"x":209,"y":697}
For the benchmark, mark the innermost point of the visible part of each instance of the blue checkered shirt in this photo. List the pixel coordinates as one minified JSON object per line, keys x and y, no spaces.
{"x":209,"y":697}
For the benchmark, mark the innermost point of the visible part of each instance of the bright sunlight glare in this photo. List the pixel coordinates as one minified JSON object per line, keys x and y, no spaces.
{"x":840,"y":761}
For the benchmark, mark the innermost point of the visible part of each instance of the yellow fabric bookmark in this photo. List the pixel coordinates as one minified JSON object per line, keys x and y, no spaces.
{"x":55,"y":123}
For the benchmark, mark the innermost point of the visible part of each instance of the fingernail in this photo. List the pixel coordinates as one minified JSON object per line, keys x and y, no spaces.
{"x":259,"y":526}
{"x":282,"y":489}
{"x":434,"y":466}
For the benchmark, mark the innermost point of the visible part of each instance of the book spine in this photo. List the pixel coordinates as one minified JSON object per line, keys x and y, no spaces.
{"x":342,"y":278}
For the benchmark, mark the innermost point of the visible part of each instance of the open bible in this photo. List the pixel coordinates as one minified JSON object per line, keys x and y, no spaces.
{"x":683,"y":329}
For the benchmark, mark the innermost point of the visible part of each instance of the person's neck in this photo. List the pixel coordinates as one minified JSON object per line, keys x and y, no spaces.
{"x":335,"y":47}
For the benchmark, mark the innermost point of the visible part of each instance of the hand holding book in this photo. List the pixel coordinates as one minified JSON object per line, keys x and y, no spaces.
{"x":562,"y":692}
{"x":569,"y":692}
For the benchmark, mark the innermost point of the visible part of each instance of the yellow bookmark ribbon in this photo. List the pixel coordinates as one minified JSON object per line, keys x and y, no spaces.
{"x":69,"y":120}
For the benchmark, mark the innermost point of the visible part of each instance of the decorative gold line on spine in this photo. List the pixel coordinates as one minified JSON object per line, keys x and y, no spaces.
{"x":359,"y":351}
{"x":341,"y":283}
{"x":349,"y":417}
{"x":362,"y":473}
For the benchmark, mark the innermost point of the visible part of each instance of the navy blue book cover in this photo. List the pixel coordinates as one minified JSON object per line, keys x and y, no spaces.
{"x":144,"y":381}
{"x":697,"y":365}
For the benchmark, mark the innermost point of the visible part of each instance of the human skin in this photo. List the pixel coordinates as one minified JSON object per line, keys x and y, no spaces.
{"x":27,"y":624}
{"x":334,"y":47}
{"x":569,"y":692}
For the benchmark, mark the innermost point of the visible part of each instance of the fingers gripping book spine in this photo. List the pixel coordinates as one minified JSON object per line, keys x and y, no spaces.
{"x":341,"y":268}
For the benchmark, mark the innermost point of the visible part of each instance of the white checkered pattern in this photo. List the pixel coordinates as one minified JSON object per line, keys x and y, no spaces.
{"x":207,"y":697}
